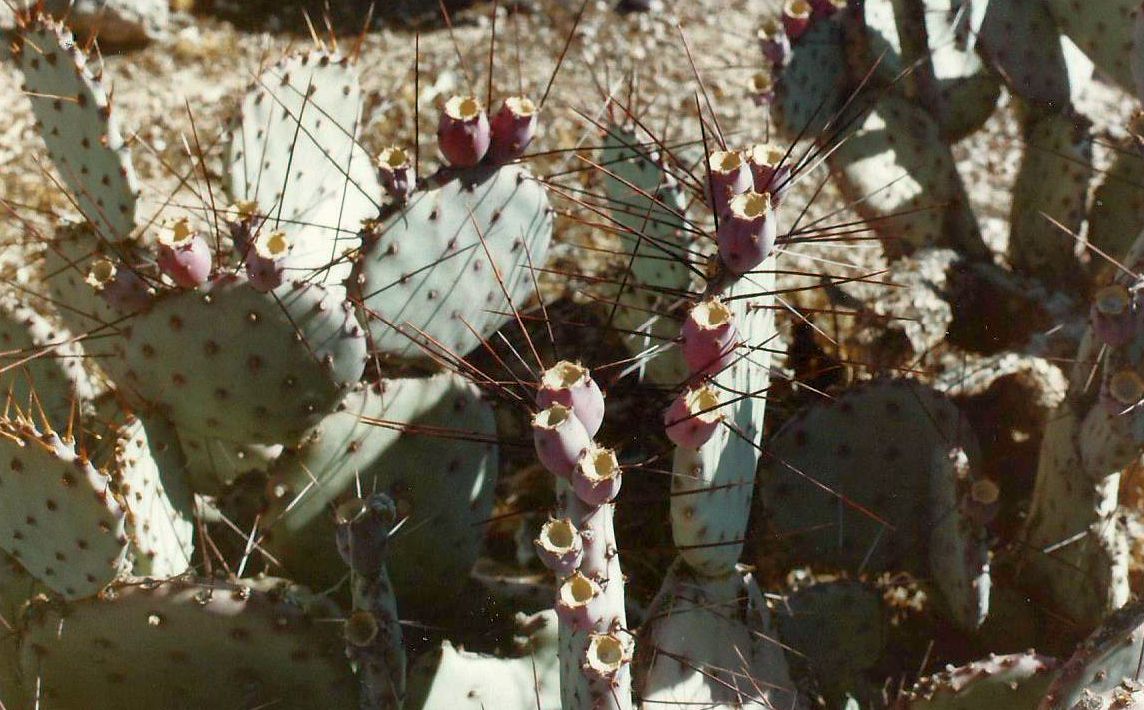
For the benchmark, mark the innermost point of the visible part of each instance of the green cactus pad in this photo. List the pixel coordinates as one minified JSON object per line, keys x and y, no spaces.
{"x":1117,"y":213}
{"x":214,"y":462}
{"x":16,"y":588}
{"x":152,"y":483}
{"x":63,"y":521}
{"x":1103,"y":29}
{"x":78,"y":125}
{"x":899,"y":173}
{"x":426,"y":277}
{"x":813,"y":86}
{"x":189,"y":644}
{"x":442,"y":479}
{"x":709,"y":643}
{"x":1020,"y":39}
{"x":966,"y":92}
{"x":1110,"y":655}
{"x":712,"y":486}
{"x":41,"y":366}
{"x":452,"y":679}
{"x":1016,"y":681}
{"x":1052,"y":184}
{"x":68,"y":259}
{"x":294,"y":152}
{"x":1075,"y":499}
{"x":230,"y":362}
{"x":836,"y":633}
{"x":893,"y":451}
{"x":655,"y":266}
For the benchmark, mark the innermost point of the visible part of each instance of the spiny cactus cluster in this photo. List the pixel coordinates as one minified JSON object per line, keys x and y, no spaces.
{"x":332,"y":374}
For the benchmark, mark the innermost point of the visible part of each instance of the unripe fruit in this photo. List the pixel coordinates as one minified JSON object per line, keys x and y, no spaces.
{"x":560,"y":438}
{"x":122,"y":288}
{"x":184,"y":256}
{"x":747,"y":234}
{"x":709,"y":338}
{"x":597,"y":477}
{"x":729,"y":176}
{"x":560,"y":546}
{"x":770,"y":170}
{"x":579,"y":602}
{"x":463,"y":133}
{"x":774,"y":43}
{"x":266,"y":260}
{"x":693,"y":417}
{"x":513,"y":128}
{"x":796,"y":18}
{"x":1111,"y":315}
{"x":571,"y":384}
{"x":396,"y":173}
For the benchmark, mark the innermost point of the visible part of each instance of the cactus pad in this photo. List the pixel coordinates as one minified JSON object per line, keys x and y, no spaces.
{"x":229,"y":361}
{"x":713,"y":485}
{"x":892,"y":451}
{"x":1104,"y":31}
{"x":657,"y":250}
{"x":63,"y":521}
{"x":41,"y":365}
{"x":1016,"y":681}
{"x":709,"y":643}
{"x":189,"y":644}
{"x":294,"y":152}
{"x":444,"y":485}
{"x":900,"y":175}
{"x":1107,"y":657}
{"x":79,"y":126}
{"x":812,"y":87}
{"x":433,"y":267}
{"x":836,"y":633}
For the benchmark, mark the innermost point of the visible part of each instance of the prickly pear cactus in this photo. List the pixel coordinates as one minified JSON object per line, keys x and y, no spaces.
{"x":900,"y":175}
{"x":649,"y":208}
{"x":1015,"y":681}
{"x":1105,"y":659}
{"x":188,"y":643}
{"x":79,"y":126}
{"x":836,"y":635}
{"x":878,"y":478}
{"x":446,"y":271}
{"x":67,"y":524}
{"x":41,"y":366}
{"x":813,"y":86}
{"x":294,"y":151}
{"x":1103,"y":29}
{"x":231,"y":362}
{"x":710,"y":642}
{"x":713,"y":485}
{"x":1049,"y":198}
{"x":441,"y":432}
{"x":448,"y":677}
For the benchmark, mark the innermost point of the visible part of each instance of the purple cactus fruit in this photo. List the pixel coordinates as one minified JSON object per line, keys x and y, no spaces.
{"x":1111,"y":315}
{"x":560,"y":438}
{"x":983,"y":501}
{"x":729,"y":176}
{"x":770,"y":171}
{"x":560,"y":546}
{"x":122,"y":288}
{"x":463,"y":133}
{"x":762,"y":88}
{"x":184,"y":256}
{"x":597,"y":477}
{"x":1122,"y":391}
{"x":796,"y":18}
{"x":826,"y":8}
{"x":579,"y":602}
{"x":266,"y":261}
{"x":747,"y":234}
{"x":709,"y":338}
{"x":693,"y":417}
{"x":571,"y":384}
{"x":513,"y":128}
{"x":243,"y":219}
{"x":606,"y":656}
{"x":774,"y":43}
{"x":396,"y":173}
